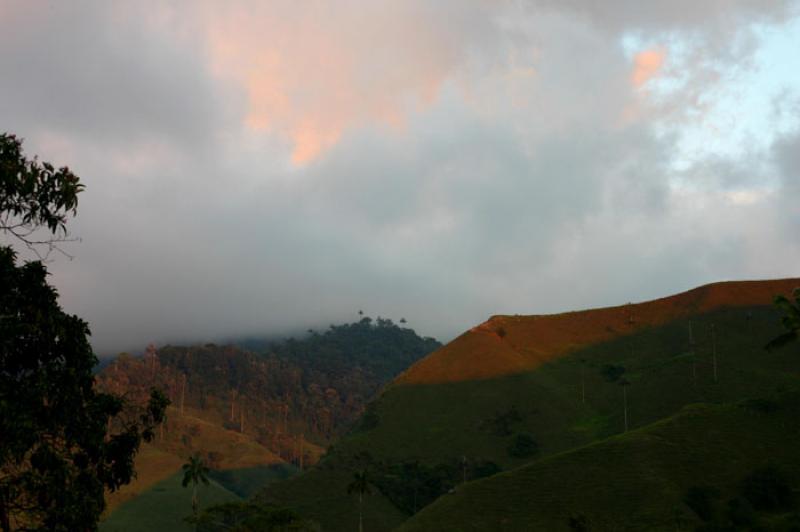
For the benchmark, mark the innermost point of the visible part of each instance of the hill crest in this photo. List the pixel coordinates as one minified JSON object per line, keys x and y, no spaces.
{"x":506,"y":345}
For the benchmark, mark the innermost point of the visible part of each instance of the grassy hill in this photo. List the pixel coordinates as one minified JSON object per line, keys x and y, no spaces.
{"x":185,"y":435}
{"x":152,"y":465}
{"x":476,"y":405}
{"x":507,"y":345}
{"x":321,"y":495}
{"x":164,"y":506}
{"x":248,"y":481}
{"x":633,"y":481}
{"x":155,"y":499}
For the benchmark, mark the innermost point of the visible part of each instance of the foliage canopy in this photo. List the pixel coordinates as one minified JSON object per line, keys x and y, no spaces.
{"x":62,"y":443}
{"x":790,"y":320}
{"x":34,"y":195}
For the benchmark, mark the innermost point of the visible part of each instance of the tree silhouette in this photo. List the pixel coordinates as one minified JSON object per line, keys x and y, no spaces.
{"x":194,"y":472}
{"x":790,"y":320}
{"x":62,"y":443}
{"x":360,"y":485}
{"x":35,"y":196}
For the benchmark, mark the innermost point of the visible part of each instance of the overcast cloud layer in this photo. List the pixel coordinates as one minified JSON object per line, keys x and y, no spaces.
{"x":253,"y":168}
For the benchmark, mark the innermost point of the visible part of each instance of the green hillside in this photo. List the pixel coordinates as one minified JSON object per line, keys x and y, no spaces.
{"x":436,"y":423}
{"x":417,"y":439}
{"x":634,"y":481}
{"x":247,"y":481}
{"x":164,"y":507}
{"x":321,"y":496}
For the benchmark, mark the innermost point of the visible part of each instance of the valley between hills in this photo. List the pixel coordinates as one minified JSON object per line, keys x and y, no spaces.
{"x":660,"y":415}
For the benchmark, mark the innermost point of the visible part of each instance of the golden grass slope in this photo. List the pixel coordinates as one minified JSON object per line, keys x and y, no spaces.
{"x":188,"y":435}
{"x":506,"y":345}
{"x":152,"y":465}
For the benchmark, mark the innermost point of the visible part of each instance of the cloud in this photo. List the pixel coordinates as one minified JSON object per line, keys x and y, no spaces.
{"x":787,"y":157}
{"x":257,"y":168}
{"x":311,"y":71}
{"x":646,"y":64}
{"x":86,"y":71}
{"x":712,"y":17}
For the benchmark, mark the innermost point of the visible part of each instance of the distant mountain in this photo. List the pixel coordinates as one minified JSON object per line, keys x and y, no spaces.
{"x":246,"y":411}
{"x":314,"y":388}
{"x":517,"y":390}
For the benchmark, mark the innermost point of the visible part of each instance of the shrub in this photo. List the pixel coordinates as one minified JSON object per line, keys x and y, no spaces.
{"x":523,"y":446}
{"x":214,"y":459}
{"x":501,"y":423}
{"x":768,"y":489}
{"x":703,"y":501}
{"x":612,"y":373}
{"x":761,"y":406}
{"x":370,"y":418}
{"x":484,"y":468}
{"x":578,"y":523}
{"x":741,"y":513}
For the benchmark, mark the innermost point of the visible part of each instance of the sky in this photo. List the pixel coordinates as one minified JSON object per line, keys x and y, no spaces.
{"x":254,"y":168}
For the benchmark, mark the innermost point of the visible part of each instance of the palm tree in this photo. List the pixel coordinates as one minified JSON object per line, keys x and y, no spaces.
{"x":195,"y":471}
{"x":714,"y":349}
{"x":790,"y":320}
{"x":624,"y":383}
{"x":692,"y":346}
{"x":360,"y":485}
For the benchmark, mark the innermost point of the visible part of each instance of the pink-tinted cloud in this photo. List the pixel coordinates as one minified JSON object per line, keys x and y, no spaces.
{"x":646,"y":65}
{"x":310,"y":71}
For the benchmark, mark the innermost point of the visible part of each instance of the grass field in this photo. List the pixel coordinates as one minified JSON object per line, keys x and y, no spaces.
{"x":164,"y":507}
{"x":244,"y":467}
{"x":634,"y":481}
{"x":248,"y":481}
{"x":438,"y":423}
{"x":321,"y":495}
{"x":152,"y":465}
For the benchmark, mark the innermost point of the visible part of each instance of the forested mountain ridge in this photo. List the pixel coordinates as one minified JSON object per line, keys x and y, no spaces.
{"x":296,"y":396}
